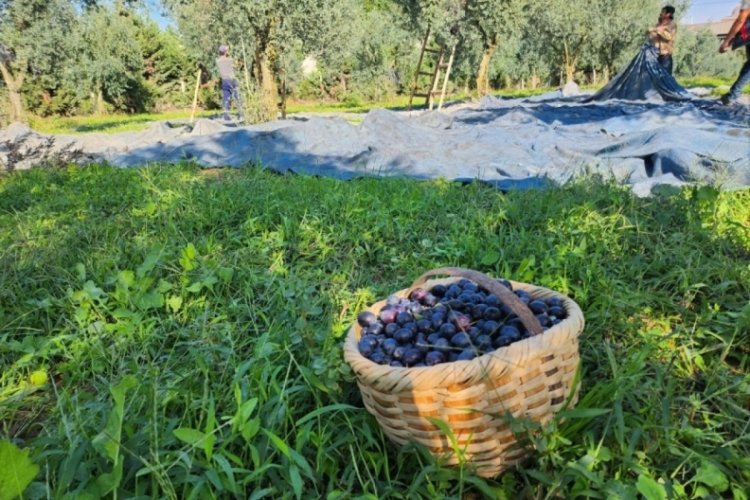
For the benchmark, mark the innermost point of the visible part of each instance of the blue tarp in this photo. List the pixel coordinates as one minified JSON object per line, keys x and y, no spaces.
{"x":510,"y":143}
{"x":643,"y":79}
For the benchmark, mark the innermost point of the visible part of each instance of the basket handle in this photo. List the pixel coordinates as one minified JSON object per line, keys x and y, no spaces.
{"x":506,"y":296}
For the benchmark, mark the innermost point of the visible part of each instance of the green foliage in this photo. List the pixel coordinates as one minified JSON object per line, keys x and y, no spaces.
{"x":69,"y":57}
{"x":696,"y":53}
{"x":17,"y":471}
{"x":111,"y":65}
{"x":577,"y":30}
{"x":35,"y":48}
{"x":107,"y":442}
{"x":51,"y":60}
{"x":227,"y":297}
{"x":614,"y":42}
{"x":264,"y":35}
{"x":440,"y":15}
{"x":166,"y":66}
{"x":103,"y":57}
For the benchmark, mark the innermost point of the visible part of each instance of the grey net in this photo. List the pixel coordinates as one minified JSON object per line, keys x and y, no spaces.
{"x":644,"y":79}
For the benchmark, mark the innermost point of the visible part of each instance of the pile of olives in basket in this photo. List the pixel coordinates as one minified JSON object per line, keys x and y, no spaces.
{"x":448,"y":323}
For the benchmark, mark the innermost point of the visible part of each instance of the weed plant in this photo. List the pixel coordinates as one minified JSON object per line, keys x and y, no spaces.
{"x":165,"y":333}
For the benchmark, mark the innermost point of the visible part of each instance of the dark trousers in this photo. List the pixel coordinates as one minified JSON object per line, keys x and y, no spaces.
{"x":666,"y":62}
{"x":228,"y":93}
{"x":743,"y":78}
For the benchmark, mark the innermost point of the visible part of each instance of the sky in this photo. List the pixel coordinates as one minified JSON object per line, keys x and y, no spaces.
{"x":709,"y":10}
{"x":157,"y":13}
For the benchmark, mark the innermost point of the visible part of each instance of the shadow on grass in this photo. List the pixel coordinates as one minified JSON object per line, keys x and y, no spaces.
{"x":102,"y":127}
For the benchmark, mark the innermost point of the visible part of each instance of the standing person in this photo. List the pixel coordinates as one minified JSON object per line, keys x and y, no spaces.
{"x":229,"y":86}
{"x":744,"y":76}
{"x":662,"y":37}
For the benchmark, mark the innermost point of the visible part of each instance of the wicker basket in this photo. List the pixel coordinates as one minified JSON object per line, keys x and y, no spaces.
{"x":531,"y":378}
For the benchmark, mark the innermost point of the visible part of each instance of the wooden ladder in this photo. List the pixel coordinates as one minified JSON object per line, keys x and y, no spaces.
{"x":434,"y":75}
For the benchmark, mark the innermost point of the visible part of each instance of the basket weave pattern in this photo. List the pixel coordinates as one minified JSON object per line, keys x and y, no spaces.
{"x":531,"y":378}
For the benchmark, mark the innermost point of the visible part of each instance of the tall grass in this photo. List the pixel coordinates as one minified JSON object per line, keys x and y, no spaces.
{"x":170,"y":334}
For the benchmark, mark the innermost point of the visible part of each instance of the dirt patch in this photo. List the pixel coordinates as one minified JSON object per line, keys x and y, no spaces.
{"x":216,"y":174}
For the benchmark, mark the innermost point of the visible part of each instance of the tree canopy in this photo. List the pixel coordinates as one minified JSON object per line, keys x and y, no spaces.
{"x":79,"y":56}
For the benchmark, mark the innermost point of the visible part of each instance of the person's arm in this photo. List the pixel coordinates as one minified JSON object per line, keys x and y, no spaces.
{"x":736,"y":26}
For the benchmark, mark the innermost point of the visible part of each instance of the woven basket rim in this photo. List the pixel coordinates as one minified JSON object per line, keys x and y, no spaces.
{"x":385,"y":377}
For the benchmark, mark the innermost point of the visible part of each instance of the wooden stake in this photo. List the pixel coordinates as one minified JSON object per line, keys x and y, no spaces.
{"x":195,"y":96}
{"x":447,"y":75}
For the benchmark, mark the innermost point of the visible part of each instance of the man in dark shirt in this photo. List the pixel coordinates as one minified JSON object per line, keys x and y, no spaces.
{"x":229,"y":87}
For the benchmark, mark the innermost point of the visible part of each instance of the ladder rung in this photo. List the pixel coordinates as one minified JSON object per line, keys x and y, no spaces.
{"x":426,"y":73}
{"x":433,"y":51}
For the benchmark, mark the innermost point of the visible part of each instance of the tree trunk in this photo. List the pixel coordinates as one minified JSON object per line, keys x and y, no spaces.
{"x":14,"y":92}
{"x":282,"y":104}
{"x":268,"y":88}
{"x":534,"y":84}
{"x":265,"y":70}
{"x":16,"y":105}
{"x":99,"y":103}
{"x":483,"y":75}
{"x":570,"y":70}
{"x":569,"y":63}
{"x":321,"y":86}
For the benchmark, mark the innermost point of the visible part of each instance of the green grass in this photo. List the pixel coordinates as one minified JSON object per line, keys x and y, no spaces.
{"x":711,"y":82}
{"x":399,"y":102}
{"x":349,"y":106}
{"x":111,"y":124}
{"x":170,"y":334}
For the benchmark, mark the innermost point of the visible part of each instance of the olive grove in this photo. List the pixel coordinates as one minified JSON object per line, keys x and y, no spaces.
{"x":84,"y":56}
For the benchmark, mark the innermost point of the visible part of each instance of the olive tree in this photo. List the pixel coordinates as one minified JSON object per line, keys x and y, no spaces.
{"x":695,"y":55}
{"x":487,"y":22}
{"x":264,"y":30}
{"x":34,"y":44}
{"x":594,"y":33}
{"x":110,"y":64}
{"x":567,"y":28}
{"x":624,"y":30}
{"x":496,"y":21}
